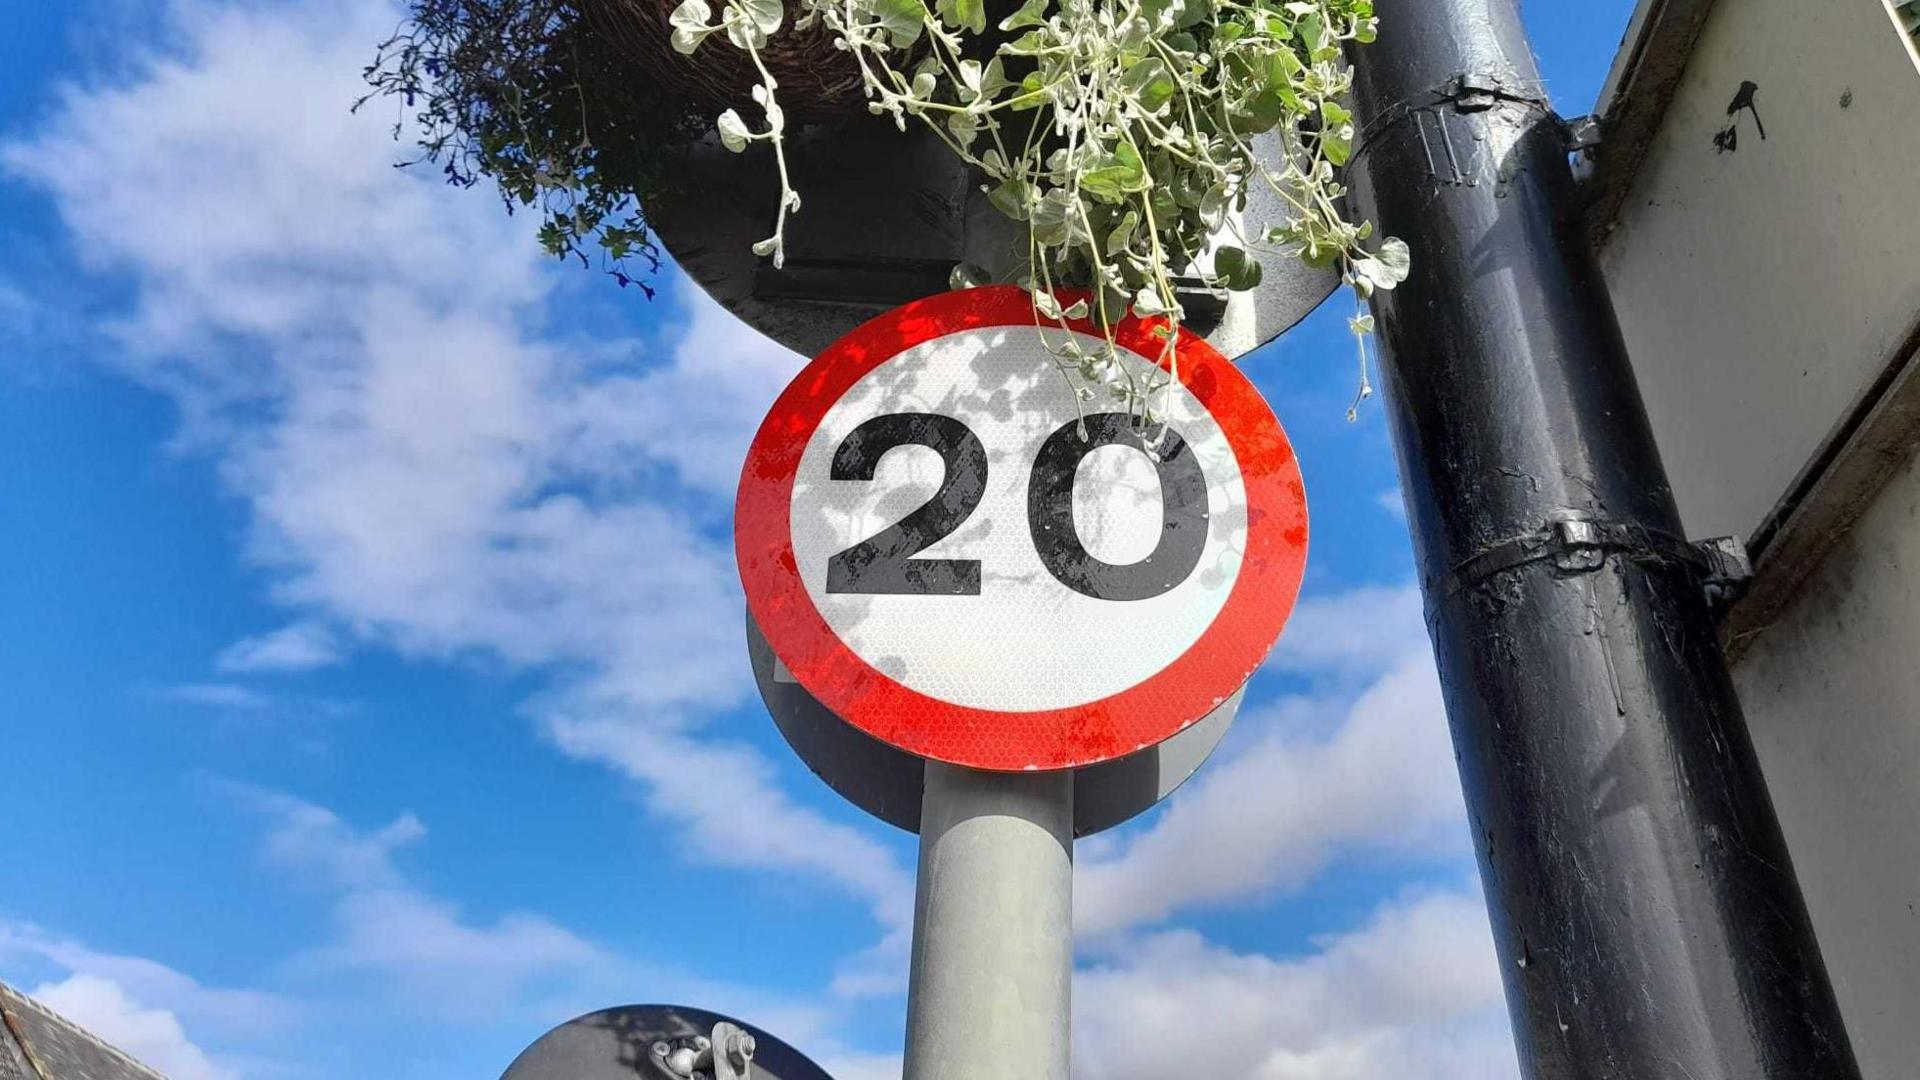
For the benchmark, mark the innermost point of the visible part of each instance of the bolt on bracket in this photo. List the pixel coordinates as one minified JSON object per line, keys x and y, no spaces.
{"x":725,"y":1055}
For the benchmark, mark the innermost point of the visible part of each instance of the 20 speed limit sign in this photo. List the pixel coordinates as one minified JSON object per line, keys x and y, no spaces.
{"x":957,"y":558}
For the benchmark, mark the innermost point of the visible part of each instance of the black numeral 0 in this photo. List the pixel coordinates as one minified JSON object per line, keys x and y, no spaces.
{"x":1183,"y":512}
{"x":885,"y":565}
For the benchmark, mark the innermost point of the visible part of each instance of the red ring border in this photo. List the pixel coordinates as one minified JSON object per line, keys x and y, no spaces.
{"x":1157,"y":708}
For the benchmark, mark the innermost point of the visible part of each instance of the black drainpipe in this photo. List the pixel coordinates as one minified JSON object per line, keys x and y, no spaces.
{"x":1648,"y":922}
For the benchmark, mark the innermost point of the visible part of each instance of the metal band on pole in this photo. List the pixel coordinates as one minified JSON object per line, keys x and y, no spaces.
{"x":992,"y":927}
{"x":1644,"y":908}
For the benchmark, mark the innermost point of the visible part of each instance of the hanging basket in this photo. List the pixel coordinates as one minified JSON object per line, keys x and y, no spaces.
{"x":817,"y":81}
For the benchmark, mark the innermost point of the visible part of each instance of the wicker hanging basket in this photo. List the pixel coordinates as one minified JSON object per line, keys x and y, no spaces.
{"x":817,"y":81}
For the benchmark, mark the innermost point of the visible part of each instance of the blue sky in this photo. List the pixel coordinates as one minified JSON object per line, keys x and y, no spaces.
{"x":374,"y":687}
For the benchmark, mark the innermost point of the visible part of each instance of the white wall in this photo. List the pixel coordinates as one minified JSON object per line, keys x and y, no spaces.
{"x":1832,"y":695}
{"x":1761,"y":290}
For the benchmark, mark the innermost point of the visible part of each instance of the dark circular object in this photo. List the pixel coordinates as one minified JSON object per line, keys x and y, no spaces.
{"x":816,"y":80}
{"x":618,"y":1044}
{"x":888,"y":783}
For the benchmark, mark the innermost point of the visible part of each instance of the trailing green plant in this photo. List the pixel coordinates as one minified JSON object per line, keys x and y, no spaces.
{"x":1121,"y":131}
{"x":525,"y":93}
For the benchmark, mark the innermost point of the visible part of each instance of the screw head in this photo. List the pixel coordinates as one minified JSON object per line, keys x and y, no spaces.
{"x":740,"y":1048}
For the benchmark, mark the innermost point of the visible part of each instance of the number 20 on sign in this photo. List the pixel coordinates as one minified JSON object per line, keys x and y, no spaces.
{"x":959,"y":558}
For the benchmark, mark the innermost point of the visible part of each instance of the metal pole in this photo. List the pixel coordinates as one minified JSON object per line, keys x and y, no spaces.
{"x":1646,"y":915}
{"x":992,"y":927}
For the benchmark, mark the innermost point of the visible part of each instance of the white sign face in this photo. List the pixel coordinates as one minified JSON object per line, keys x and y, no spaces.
{"x":953,"y":557}
{"x":1027,"y":638}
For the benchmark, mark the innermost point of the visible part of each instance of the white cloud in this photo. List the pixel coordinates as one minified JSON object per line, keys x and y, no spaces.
{"x":735,"y":813}
{"x":147,"y":1008}
{"x":428,"y":465}
{"x":419,"y":949}
{"x":217,"y":696}
{"x":1354,"y":634}
{"x":861,"y":1066}
{"x":20,"y":313}
{"x":426,"y":953}
{"x":1413,"y":995}
{"x":1393,"y":502}
{"x":300,"y":646}
{"x":239,"y":1013}
{"x":151,"y":1036}
{"x":1321,"y":775}
{"x":698,"y":412}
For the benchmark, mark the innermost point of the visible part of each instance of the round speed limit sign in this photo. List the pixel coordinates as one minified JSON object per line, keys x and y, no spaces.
{"x":956,"y":556}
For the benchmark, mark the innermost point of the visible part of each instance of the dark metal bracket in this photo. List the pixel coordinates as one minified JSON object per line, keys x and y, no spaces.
{"x":1584,"y":133}
{"x":1466,"y":92}
{"x":1578,"y":544}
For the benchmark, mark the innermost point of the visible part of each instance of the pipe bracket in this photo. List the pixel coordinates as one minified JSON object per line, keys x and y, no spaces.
{"x":1579,"y":544}
{"x":1465,"y":92}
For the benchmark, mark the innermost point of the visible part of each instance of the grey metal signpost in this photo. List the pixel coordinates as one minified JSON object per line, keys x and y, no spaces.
{"x":992,"y":927}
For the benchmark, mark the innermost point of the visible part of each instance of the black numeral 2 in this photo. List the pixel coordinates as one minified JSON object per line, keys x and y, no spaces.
{"x":885,"y":564}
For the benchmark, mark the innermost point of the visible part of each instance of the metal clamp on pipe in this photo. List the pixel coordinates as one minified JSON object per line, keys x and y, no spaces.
{"x":1580,"y":544}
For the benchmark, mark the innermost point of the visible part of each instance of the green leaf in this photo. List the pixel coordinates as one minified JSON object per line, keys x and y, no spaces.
{"x":967,"y":276}
{"x":1236,"y":270}
{"x":903,"y":20}
{"x":994,"y":79}
{"x":1150,"y":83}
{"x":766,"y":14}
{"x":1033,"y":93}
{"x":1397,"y":257}
{"x":1338,"y":145}
{"x":689,"y":22}
{"x":970,"y":75}
{"x":1313,"y":33}
{"x":1010,"y":198}
{"x":964,"y":14}
{"x":1056,"y":220}
{"x":1121,"y":237}
{"x":1031,"y":13}
{"x":1320,"y":257}
{"x":965,"y":127}
{"x":733,"y":131}
{"x":1385,"y":270}
{"x":1117,"y":175}
{"x":1262,"y":113}
{"x":1026,"y":44}
{"x":1147,"y":304}
{"x":1282,"y":68}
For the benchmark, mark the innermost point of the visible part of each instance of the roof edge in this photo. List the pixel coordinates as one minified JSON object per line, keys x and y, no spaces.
{"x":1640,"y":86}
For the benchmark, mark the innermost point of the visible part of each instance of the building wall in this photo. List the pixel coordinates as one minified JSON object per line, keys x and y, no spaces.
{"x":1763,"y":292}
{"x":1832,"y":695}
